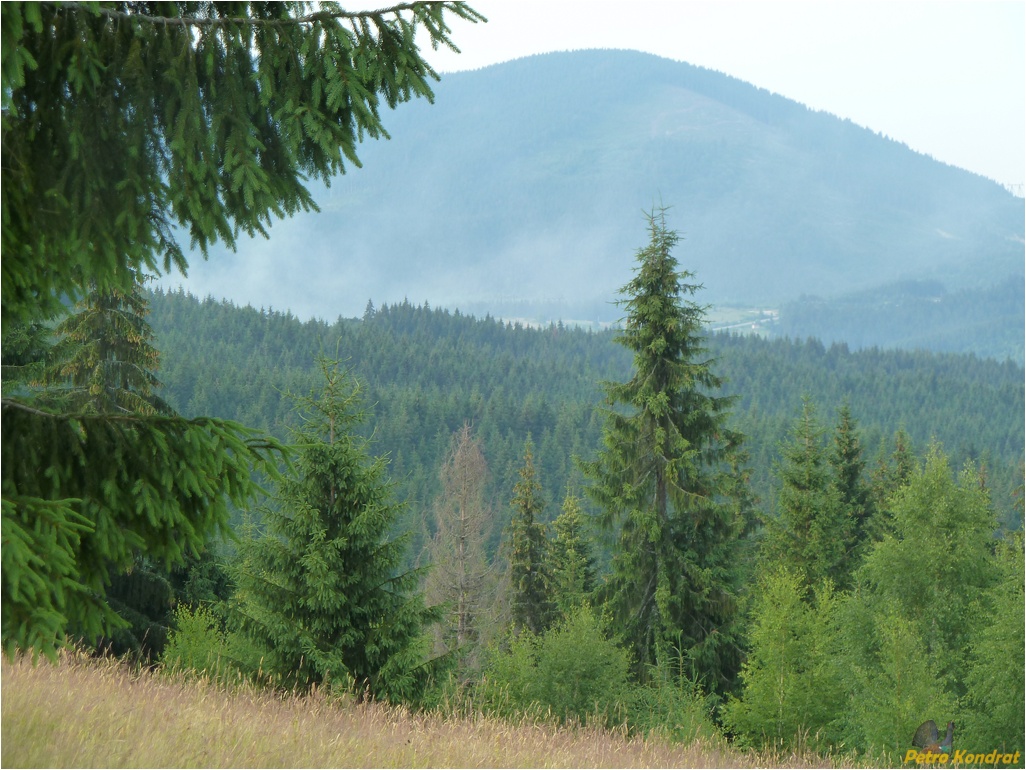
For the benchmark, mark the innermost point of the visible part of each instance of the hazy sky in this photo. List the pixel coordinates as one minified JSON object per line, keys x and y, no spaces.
{"x":946,"y":78}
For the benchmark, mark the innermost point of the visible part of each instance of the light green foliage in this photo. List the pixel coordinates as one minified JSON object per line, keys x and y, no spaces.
{"x":579,"y":671}
{"x":938,"y":560}
{"x":994,"y":702}
{"x":573,"y":570}
{"x":529,"y":578}
{"x":216,"y":114}
{"x":82,"y":494}
{"x":661,"y":479}
{"x":812,"y":531}
{"x":911,"y":620}
{"x":198,"y":643}
{"x":572,"y":672}
{"x":322,"y":591}
{"x":793,"y":683}
{"x":899,"y":686}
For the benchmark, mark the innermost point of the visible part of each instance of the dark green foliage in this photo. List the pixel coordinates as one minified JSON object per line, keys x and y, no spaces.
{"x":849,"y":466}
{"x":25,"y":348}
{"x":812,"y":531}
{"x":429,"y":370}
{"x":660,"y":479}
{"x":83,"y":494}
{"x":529,"y":575}
{"x":143,"y":597}
{"x":322,"y":591}
{"x":121,"y":124}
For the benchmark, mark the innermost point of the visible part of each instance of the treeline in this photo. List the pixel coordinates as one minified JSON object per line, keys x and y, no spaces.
{"x":859,"y":587}
{"x":794,"y":618}
{"x":426,"y":371}
{"x":917,"y":314}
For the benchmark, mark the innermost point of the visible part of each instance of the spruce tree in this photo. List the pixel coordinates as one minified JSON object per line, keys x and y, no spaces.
{"x":322,"y":592}
{"x":661,"y":479}
{"x":848,"y":465}
{"x":530,"y":605}
{"x":122,"y":127}
{"x":572,"y":567}
{"x":104,"y":360}
{"x":890,"y":475}
{"x":811,"y":531}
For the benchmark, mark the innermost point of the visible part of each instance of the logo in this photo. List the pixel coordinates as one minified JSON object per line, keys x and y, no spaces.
{"x":962,"y":757}
{"x":933,"y":750}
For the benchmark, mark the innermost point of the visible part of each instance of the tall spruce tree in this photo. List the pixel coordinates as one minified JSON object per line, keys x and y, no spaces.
{"x":529,"y":585}
{"x":322,"y":593}
{"x":124,"y":123}
{"x":662,"y":476}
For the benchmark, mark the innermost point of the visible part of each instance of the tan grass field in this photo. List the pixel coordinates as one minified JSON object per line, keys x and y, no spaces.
{"x":86,"y":713}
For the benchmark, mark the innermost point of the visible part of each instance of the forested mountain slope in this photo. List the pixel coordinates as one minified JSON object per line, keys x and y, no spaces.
{"x":525,"y":183}
{"x":427,"y":371}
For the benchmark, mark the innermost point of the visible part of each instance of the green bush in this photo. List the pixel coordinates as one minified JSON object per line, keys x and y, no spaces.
{"x":198,"y":644}
{"x":793,"y":688}
{"x":572,"y":672}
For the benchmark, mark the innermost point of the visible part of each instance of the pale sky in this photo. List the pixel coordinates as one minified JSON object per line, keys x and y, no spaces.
{"x":946,"y":78}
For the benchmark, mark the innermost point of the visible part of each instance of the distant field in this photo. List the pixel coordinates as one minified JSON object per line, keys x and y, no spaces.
{"x":85,"y":713}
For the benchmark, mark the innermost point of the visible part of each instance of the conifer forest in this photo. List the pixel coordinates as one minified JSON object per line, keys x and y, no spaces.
{"x":653,"y":528}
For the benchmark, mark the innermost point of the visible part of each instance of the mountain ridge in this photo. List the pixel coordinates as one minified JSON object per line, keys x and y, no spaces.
{"x":527,"y":180}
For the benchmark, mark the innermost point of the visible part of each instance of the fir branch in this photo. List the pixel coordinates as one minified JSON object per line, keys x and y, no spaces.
{"x":459,"y":8}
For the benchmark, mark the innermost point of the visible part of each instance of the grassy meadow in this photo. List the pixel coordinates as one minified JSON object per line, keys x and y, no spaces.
{"x":100,"y":713}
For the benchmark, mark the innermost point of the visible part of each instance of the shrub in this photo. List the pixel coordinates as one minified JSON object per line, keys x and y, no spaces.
{"x":572,"y":672}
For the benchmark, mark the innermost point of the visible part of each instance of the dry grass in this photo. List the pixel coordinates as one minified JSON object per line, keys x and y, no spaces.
{"x":85,"y":713}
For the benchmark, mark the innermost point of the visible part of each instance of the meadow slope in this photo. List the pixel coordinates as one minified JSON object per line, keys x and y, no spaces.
{"x":89,"y":713}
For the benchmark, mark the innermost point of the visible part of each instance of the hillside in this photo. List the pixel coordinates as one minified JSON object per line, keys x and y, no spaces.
{"x":427,"y":371}
{"x":523,"y":186}
{"x":88,"y":713}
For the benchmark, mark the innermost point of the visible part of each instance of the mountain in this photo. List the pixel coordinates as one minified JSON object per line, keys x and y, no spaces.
{"x":524,"y":184}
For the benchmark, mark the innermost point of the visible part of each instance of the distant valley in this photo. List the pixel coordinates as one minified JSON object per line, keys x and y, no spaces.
{"x":519,"y":193}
